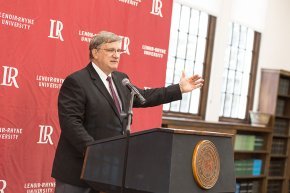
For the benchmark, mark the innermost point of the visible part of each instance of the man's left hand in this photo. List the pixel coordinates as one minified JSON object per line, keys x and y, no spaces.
{"x":190,"y":83}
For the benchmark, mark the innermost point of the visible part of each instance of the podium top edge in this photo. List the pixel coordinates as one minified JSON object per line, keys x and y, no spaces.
{"x":184,"y":131}
{"x":196,"y":132}
{"x":165,"y":130}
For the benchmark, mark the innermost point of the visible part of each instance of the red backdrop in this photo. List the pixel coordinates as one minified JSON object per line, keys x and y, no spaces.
{"x":44,"y":41}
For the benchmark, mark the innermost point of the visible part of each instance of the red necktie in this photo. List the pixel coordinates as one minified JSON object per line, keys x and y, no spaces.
{"x":114,"y":95}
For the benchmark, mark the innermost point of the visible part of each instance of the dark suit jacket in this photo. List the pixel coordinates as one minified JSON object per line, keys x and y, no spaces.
{"x":87,"y":113}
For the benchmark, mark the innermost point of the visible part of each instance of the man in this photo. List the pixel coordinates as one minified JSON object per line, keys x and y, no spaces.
{"x":89,"y":107}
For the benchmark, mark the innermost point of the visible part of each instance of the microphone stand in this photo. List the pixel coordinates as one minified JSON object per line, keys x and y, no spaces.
{"x":127,"y":132}
{"x":130,"y":113}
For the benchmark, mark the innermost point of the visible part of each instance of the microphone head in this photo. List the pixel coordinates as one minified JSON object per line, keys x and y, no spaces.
{"x":125,"y":81}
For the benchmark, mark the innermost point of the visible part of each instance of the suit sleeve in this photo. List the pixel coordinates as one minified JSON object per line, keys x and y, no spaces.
{"x":158,"y":96}
{"x":71,"y":111}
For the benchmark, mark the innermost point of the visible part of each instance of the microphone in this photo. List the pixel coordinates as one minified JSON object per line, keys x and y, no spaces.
{"x":126,"y":82}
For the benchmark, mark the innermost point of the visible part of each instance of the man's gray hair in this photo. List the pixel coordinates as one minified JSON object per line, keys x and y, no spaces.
{"x":102,"y":37}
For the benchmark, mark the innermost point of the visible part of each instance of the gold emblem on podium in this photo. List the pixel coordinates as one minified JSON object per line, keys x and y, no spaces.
{"x":205,"y":164}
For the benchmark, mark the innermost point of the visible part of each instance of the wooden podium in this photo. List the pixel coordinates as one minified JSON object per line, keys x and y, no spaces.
{"x":156,"y":161}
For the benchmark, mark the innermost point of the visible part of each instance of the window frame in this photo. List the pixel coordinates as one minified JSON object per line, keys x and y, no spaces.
{"x":252,"y":82}
{"x":206,"y":76}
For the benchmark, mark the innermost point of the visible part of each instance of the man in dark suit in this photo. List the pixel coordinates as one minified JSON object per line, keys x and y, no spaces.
{"x":89,"y":107}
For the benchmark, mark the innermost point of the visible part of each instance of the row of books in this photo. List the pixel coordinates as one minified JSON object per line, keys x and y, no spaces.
{"x":276,"y":167}
{"x":247,"y":187}
{"x":284,"y":86}
{"x":280,"y":107}
{"x":281,"y":126}
{"x":248,"y":167}
{"x":279,"y":146}
{"x":248,"y":142}
{"x":274,"y":187}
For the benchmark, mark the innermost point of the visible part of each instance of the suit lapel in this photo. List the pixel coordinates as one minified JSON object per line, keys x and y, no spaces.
{"x":101,"y":87}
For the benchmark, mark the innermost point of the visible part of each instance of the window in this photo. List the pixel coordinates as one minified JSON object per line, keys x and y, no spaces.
{"x":190,"y":49}
{"x":239,"y":73}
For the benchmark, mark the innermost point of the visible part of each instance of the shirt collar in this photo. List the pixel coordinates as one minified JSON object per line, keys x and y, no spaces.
{"x":102,"y":75}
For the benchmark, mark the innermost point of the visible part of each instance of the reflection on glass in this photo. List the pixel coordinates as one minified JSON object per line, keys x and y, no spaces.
{"x":198,"y":68}
{"x":201,"y":43}
{"x":235,"y":108}
{"x":228,"y":105}
{"x":194,"y":22}
{"x":250,"y":39}
{"x":235,"y":35}
{"x":175,"y":15}
{"x":243,"y":37}
{"x":194,"y":97}
{"x":191,"y":47}
{"x":233,"y":58}
{"x":175,"y":106}
{"x":173,"y":43}
{"x":248,"y":62}
{"x":231,"y":78}
{"x":203,"y":25}
{"x":184,"y":19}
{"x":188,"y":67}
{"x":238,"y":83}
{"x":240,"y":60}
{"x":184,"y":105}
{"x":182,"y":42}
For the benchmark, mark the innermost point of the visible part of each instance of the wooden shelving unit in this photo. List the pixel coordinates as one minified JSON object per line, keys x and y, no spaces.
{"x":257,"y":182}
{"x":275,"y":99}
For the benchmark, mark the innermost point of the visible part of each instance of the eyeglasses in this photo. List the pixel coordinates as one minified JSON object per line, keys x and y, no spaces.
{"x":112,"y":50}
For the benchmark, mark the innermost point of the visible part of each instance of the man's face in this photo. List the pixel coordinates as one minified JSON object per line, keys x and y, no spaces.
{"x":107,"y":57}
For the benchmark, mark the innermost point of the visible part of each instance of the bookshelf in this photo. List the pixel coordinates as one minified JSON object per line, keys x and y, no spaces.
{"x":275,"y":99}
{"x":252,"y":148}
{"x":253,"y":161}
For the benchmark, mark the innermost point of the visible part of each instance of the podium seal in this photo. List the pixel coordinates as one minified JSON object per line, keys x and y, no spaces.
{"x":205,"y":164}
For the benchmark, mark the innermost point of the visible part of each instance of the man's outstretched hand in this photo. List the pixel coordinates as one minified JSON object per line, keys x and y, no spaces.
{"x":188,"y":84}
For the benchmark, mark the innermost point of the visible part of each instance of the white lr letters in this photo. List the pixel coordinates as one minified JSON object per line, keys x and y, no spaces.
{"x":45,"y":134}
{"x":55,"y":29}
{"x":9,"y":76}
{"x":126,"y":42}
{"x":156,"y":8}
{"x":3,"y":185}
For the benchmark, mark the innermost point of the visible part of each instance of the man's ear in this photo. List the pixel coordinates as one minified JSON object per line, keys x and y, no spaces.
{"x":95,"y":53}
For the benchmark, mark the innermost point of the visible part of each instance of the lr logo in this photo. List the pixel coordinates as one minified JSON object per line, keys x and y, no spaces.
{"x":125,"y":44}
{"x":9,"y":76}
{"x":3,"y":185}
{"x":45,"y":134}
{"x":55,"y":29}
{"x":156,"y":7}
